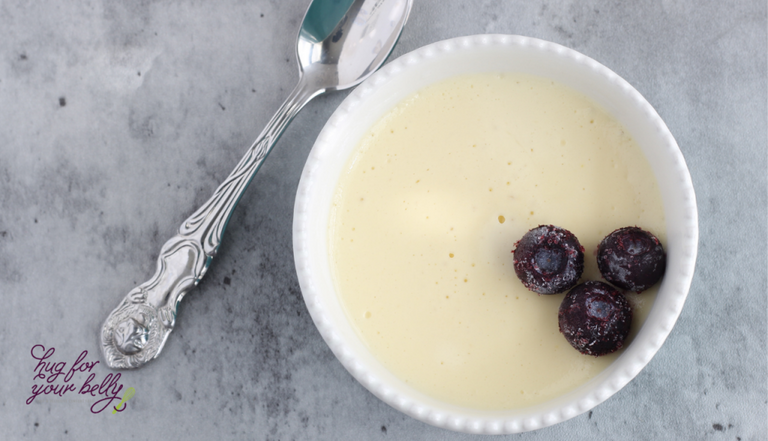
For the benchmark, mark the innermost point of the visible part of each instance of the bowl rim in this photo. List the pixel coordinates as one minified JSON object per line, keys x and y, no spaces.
{"x":664,"y":313}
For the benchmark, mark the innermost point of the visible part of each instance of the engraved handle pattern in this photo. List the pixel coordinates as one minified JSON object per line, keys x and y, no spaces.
{"x":136,"y":331}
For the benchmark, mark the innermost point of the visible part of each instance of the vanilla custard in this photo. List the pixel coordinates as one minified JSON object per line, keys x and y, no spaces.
{"x":427,"y":213}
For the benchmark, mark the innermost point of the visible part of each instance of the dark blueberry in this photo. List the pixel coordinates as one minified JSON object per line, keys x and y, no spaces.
{"x":549,"y":259}
{"x":595,"y":318}
{"x":631,"y":258}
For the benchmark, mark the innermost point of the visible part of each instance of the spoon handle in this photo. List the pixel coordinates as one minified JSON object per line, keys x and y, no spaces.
{"x":137,"y":329}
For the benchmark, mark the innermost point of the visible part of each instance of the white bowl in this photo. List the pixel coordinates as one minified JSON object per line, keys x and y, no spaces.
{"x":477,"y":54}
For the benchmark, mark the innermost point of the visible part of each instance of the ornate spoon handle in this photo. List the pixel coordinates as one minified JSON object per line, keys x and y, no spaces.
{"x":137,"y":329}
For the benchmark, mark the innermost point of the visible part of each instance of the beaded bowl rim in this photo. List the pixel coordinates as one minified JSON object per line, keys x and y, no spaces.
{"x":475,"y":54}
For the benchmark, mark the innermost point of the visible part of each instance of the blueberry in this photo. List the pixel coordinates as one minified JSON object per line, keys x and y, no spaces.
{"x":549,"y":259}
{"x":631,"y":259}
{"x":595,"y":318}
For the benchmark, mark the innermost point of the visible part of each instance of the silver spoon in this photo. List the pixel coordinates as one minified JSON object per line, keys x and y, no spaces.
{"x":340,"y":44}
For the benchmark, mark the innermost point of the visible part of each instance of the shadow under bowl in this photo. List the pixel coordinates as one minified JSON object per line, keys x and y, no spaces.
{"x":481,"y":54}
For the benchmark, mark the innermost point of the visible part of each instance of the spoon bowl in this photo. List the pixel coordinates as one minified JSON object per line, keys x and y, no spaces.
{"x":340,"y":43}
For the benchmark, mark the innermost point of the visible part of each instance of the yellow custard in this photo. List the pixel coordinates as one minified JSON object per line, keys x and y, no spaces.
{"x":429,"y":208}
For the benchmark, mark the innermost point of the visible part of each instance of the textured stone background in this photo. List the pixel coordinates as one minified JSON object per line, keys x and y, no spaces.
{"x":117,"y":118}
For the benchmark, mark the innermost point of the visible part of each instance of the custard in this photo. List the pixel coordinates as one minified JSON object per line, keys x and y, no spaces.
{"x":429,"y":208}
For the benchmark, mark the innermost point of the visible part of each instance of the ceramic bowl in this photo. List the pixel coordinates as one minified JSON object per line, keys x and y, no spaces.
{"x":478,"y":54}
